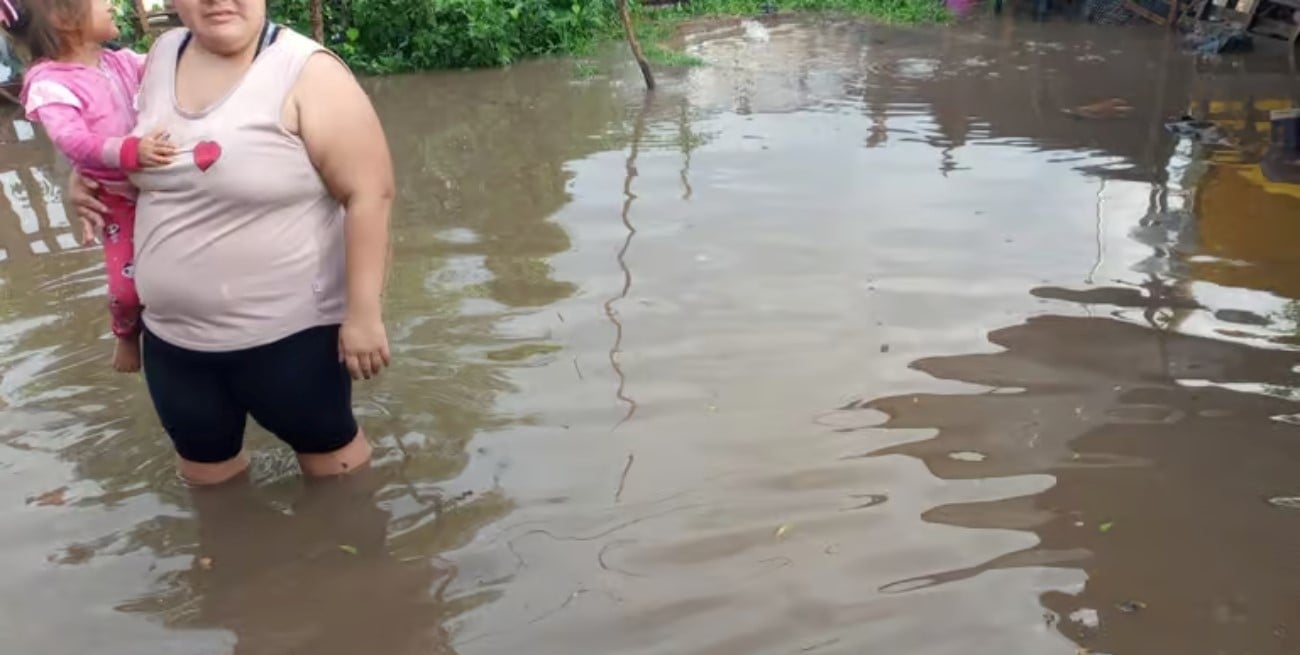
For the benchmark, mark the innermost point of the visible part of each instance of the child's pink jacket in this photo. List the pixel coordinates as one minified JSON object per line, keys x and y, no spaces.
{"x":89,"y":112}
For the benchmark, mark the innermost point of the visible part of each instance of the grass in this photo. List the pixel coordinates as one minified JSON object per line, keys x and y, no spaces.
{"x":653,"y":30}
{"x":892,"y":11}
{"x":655,"y":27}
{"x":585,"y":70}
{"x":661,"y":55}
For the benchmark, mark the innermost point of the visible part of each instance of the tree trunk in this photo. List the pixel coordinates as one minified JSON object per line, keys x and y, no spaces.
{"x":318,"y":21}
{"x":636,"y":46}
{"x":141,"y":17}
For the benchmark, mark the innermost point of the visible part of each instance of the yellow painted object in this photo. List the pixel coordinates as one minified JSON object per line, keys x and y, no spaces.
{"x":1251,"y":227}
{"x":1248,"y":224}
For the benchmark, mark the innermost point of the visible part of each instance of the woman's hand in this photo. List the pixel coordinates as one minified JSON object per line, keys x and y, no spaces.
{"x":89,"y":209}
{"x":363,"y":345}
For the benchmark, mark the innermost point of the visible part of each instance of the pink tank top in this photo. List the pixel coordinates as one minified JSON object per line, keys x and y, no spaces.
{"x":238,"y":242}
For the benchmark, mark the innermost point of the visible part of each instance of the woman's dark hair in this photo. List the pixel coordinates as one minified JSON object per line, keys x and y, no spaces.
{"x":46,"y":28}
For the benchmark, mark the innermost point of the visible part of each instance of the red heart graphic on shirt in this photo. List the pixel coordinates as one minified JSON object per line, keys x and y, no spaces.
{"x":206,"y":153}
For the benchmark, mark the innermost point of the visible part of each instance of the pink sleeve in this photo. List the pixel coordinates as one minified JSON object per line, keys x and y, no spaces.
{"x":59,"y":112}
{"x":133,"y":62}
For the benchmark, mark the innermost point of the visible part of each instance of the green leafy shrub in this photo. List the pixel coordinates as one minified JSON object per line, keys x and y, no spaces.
{"x":390,"y":36}
{"x":385,"y":36}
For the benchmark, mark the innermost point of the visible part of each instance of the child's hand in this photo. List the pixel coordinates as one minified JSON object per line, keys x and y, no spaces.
{"x":156,"y":149}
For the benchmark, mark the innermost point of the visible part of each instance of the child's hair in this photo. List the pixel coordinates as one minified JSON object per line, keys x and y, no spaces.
{"x":46,"y":28}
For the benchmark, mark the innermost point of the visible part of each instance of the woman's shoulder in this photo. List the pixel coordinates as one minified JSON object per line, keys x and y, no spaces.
{"x":292,"y":39}
{"x":169,"y":39}
{"x":299,"y":51}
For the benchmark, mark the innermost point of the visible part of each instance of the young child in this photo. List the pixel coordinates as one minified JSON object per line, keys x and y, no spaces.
{"x":84,"y":96}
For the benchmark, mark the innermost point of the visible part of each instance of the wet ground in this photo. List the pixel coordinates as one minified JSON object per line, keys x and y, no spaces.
{"x":851,"y":341}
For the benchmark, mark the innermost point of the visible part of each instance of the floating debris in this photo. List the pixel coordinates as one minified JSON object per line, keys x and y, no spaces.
{"x":52,"y":497}
{"x":867,"y":500}
{"x":813,"y":647}
{"x":1207,"y":132}
{"x":1218,"y":38}
{"x":351,"y":550}
{"x":1131,"y":606}
{"x":205,"y":563}
{"x":1106,"y":527}
{"x":967,"y":456}
{"x":1285,"y":502}
{"x":755,"y":31}
{"x":783,"y":530}
{"x":1104,"y":110}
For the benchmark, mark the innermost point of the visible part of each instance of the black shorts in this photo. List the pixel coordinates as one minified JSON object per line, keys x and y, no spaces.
{"x":296,"y":388}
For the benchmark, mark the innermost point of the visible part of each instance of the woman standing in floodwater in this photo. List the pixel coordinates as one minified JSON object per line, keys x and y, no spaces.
{"x":261,"y":251}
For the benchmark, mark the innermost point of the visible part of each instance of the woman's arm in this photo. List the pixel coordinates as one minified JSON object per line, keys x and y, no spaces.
{"x":347,"y":146}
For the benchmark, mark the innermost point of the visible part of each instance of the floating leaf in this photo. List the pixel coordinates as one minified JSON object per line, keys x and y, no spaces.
{"x":1106,"y":527}
{"x":351,"y":550}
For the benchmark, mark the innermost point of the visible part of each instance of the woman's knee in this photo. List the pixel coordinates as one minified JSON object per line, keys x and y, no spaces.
{"x":352,"y":457}
{"x":208,"y":474}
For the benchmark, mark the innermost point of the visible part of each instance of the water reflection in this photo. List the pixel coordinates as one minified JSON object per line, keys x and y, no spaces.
{"x":1161,"y":484}
{"x":1062,"y":348}
{"x":638,"y":131}
{"x":270,"y":568}
{"x":318,"y":574}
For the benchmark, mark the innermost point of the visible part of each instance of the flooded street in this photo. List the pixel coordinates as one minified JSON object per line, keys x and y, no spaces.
{"x":851,"y":341}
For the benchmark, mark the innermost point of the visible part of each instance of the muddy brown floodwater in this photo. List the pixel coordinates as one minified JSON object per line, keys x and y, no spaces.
{"x":851,"y":341}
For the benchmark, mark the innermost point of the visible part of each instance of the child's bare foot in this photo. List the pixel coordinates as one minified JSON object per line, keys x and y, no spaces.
{"x":126,"y":355}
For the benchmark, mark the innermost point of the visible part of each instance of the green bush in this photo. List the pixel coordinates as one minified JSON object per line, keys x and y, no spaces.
{"x":385,"y":36}
{"x":390,"y":36}
{"x":897,"y":11}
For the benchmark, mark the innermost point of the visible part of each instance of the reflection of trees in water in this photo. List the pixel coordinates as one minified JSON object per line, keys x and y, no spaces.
{"x":488,"y":152}
{"x":1181,"y":473}
{"x":1011,"y":83}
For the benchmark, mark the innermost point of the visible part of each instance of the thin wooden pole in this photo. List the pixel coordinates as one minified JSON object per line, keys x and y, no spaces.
{"x":318,"y":21}
{"x":636,"y":45}
{"x":141,"y":18}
